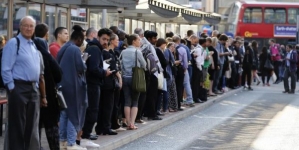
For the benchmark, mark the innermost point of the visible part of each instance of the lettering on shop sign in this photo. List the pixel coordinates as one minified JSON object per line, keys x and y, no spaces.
{"x":250,"y":34}
{"x":285,"y":31}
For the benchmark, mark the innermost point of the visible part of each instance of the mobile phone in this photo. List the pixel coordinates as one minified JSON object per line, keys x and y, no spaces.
{"x":112,"y":70}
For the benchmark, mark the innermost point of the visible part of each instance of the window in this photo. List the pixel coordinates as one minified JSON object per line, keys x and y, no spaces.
{"x":34,"y":11}
{"x":253,"y":15}
{"x":292,"y":15}
{"x":275,"y":15}
{"x":3,"y":18}
{"x":20,"y":10}
{"x":62,"y":16}
{"x":50,"y":21}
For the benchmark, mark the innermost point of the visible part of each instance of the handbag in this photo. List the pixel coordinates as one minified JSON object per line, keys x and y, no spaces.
{"x":268,"y":65}
{"x":138,"y":77}
{"x":164,"y":85}
{"x":61,"y":100}
{"x":160,"y":81}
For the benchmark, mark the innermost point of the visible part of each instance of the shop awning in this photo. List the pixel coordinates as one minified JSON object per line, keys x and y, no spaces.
{"x":192,"y":15}
{"x":212,"y":18}
{"x":164,"y":8}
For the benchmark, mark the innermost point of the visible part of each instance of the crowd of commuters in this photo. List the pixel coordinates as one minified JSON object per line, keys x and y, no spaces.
{"x":93,"y":69}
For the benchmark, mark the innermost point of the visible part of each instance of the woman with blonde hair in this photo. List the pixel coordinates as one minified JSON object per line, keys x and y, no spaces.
{"x":214,"y":63}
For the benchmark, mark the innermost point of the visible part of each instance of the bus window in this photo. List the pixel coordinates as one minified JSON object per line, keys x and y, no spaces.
{"x":275,"y":15}
{"x":252,"y":15}
{"x":292,"y":15}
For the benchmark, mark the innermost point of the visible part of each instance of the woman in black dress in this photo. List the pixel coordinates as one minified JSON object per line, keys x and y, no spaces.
{"x":214,"y":65}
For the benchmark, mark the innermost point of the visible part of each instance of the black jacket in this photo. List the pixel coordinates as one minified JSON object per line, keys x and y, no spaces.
{"x":52,"y":75}
{"x":263,"y":58}
{"x":95,"y":72}
{"x":163,"y":62}
{"x":248,"y":57}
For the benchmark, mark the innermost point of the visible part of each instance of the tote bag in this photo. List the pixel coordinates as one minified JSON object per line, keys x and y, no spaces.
{"x":268,"y":65}
{"x":138,"y":77}
{"x":160,"y":81}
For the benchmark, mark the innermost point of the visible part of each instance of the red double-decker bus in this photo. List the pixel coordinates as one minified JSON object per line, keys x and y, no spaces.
{"x":260,"y":21}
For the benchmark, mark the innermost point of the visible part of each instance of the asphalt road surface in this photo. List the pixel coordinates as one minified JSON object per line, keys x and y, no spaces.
{"x":263,"y":119}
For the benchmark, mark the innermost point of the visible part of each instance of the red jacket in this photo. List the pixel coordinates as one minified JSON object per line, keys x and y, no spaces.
{"x":275,"y":54}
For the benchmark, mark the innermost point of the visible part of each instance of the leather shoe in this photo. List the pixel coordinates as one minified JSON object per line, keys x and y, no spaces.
{"x":155,"y":118}
{"x":109,"y":132}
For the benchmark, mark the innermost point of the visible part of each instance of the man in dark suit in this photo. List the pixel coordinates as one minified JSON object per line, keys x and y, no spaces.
{"x":290,"y":70}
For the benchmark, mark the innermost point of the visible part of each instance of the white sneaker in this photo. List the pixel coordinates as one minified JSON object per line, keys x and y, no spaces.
{"x":120,"y":129}
{"x":88,"y":144}
{"x":75,"y":147}
{"x":62,"y":145}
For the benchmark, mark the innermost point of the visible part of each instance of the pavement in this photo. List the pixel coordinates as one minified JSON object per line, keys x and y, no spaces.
{"x":263,"y":119}
{"x":211,"y":125}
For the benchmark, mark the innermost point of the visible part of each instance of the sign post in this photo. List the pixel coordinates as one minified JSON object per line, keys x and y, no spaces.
{"x":297,"y":33}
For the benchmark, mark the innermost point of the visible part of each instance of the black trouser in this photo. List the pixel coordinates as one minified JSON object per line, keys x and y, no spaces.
{"x":195,"y":83}
{"x":23,"y":117}
{"x":297,"y":74}
{"x":234,"y":76}
{"x":105,"y":111}
{"x":266,"y":73}
{"x":246,"y":72}
{"x":287,"y":74}
{"x":151,"y":97}
{"x":276,"y":69}
{"x":115,"y":124}
{"x":52,"y":134}
{"x":93,"y":93}
{"x":179,"y":81}
{"x":142,"y":98}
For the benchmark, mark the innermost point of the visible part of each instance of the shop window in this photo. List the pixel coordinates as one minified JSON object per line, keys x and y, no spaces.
{"x":35,"y":12}
{"x":50,"y":21}
{"x":96,"y":20}
{"x":20,"y":11}
{"x":112,"y":19}
{"x":3,"y":18}
{"x":62,"y":17}
{"x":78,"y":14}
{"x":252,"y":15}
{"x":275,"y":15}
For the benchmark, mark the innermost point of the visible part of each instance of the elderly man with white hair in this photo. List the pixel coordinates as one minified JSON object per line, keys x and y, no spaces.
{"x":21,"y":73}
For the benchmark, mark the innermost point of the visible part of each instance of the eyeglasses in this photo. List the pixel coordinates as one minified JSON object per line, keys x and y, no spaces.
{"x":28,"y":26}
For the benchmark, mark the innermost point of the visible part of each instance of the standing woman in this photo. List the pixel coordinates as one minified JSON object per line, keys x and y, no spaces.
{"x":128,"y":59}
{"x":74,"y":90}
{"x":162,"y":95}
{"x":247,"y":66}
{"x":254,"y":46}
{"x":265,"y":71}
{"x":214,"y":66}
{"x":171,"y":87}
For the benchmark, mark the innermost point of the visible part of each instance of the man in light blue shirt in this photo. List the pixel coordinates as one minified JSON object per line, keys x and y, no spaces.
{"x":21,"y":73}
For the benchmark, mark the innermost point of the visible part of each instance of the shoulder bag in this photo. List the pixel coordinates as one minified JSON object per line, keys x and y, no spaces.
{"x":138,"y":77}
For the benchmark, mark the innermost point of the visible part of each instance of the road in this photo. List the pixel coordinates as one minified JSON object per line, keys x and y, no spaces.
{"x":263,"y":119}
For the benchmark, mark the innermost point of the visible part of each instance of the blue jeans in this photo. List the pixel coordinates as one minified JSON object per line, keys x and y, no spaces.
{"x":67,"y":131}
{"x":163,"y":95}
{"x":188,"y":89}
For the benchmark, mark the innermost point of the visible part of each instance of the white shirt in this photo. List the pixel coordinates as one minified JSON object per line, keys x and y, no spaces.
{"x":201,"y":55}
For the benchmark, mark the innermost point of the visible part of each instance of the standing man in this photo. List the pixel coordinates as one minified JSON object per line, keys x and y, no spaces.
{"x":152,"y":90}
{"x":221,"y":57}
{"x":94,"y":75}
{"x":290,"y":70}
{"x":21,"y":72}
{"x":62,"y":36}
{"x":180,"y":55}
{"x":91,"y":33}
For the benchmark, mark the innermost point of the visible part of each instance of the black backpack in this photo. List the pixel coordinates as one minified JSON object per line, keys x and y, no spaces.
{"x":18,"y":47}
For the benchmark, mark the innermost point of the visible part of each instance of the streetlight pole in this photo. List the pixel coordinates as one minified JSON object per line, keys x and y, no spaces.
{"x":297,"y":33}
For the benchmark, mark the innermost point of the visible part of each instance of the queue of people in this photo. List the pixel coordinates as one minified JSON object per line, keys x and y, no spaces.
{"x":94,"y":72}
